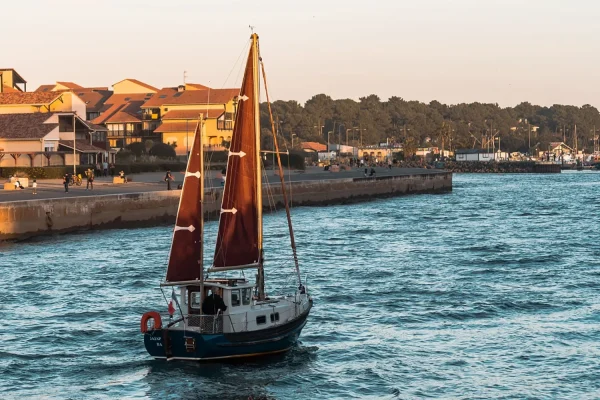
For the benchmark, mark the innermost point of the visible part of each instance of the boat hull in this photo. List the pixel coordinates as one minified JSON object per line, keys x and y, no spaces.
{"x":177,"y":344}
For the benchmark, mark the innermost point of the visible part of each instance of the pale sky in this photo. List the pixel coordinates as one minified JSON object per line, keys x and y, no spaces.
{"x":453,"y":51}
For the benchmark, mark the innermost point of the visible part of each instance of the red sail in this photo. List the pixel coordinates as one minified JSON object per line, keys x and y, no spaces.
{"x":186,"y":248}
{"x":237,"y":240}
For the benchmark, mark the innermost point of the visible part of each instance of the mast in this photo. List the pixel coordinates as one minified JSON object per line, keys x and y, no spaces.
{"x":261,"y":271}
{"x":201,"y":216}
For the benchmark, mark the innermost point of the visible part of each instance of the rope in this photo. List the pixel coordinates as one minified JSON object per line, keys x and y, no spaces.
{"x":281,"y":175}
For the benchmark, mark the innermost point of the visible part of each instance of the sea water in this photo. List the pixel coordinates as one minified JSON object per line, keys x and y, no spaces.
{"x":491,"y":291}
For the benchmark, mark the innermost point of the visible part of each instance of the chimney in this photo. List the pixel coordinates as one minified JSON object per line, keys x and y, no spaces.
{"x":180,"y":88}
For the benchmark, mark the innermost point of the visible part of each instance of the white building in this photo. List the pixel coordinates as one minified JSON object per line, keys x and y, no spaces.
{"x":480,"y":155}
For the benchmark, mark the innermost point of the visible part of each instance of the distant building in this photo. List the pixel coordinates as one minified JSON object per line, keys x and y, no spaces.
{"x":375,"y":153}
{"x":480,"y":155}
{"x":314,"y":147}
{"x":559,"y":148}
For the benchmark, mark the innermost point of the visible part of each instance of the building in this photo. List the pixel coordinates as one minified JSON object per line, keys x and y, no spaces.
{"x":93,"y":97}
{"x":481,"y":155}
{"x":45,"y":124}
{"x":560,"y":148}
{"x":313,"y":147}
{"x":41,"y":102}
{"x":375,"y":153}
{"x":173,"y":114}
{"x":121,"y":113}
{"x":10,"y":81}
{"x":47,"y":139}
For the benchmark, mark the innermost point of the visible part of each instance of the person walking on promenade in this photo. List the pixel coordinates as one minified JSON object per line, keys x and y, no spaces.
{"x":89,"y":174}
{"x":112,"y":169}
{"x":98,"y":169}
{"x":168,"y":179}
{"x":34,"y":186}
{"x":66,"y":182}
{"x":105,"y":167}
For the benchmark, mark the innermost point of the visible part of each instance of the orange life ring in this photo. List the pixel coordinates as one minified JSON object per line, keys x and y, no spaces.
{"x":155,"y":316}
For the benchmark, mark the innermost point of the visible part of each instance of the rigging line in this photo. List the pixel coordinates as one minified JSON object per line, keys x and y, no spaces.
{"x":244,"y":49}
{"x":281,"y":175}
{"x":268,"y":186}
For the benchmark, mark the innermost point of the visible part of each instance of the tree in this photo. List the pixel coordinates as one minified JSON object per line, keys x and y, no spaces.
{"x":137,"y":148}
{"x":162,"y":150}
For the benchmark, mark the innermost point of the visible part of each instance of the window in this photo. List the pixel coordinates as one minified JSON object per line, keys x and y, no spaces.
{"x":246,"y":296}
{"x":162,"y":96}
{"x":195,"y":300}
{"x":275,"y":317}
{"x":261,"y":320}
{"x":235,"y":298}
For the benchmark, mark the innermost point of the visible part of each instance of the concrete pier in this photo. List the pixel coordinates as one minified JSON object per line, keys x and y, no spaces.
{"x":24,"y":219}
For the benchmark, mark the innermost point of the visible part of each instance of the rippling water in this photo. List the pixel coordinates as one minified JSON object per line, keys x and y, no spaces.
{"x":491,"y":291}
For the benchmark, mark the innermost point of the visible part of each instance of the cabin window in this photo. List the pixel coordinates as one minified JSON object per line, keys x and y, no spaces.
{"x":195,"y":300}
{"x":275,"y":317}
{"x":261,"y":320}
{"x":246,"y":296}
{"x":235,"y":298}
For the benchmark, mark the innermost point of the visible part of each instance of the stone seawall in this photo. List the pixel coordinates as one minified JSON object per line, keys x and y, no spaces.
{"x":25,"y":219}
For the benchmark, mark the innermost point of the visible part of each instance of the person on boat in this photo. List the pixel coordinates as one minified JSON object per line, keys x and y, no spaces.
{"x":213,"y":303}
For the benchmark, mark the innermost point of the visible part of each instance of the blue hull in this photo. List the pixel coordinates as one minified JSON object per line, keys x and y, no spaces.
{"x":189,"y":345}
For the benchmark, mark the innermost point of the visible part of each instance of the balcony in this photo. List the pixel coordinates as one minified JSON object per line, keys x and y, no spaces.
{"x":150,"y":117}
{"x":223,"y":125}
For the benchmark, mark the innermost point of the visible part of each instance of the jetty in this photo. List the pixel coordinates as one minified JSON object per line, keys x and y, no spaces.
{"x":146,"y":202}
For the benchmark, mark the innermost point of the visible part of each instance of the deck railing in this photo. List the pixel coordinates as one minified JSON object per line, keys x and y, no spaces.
{"x":206,"y":323}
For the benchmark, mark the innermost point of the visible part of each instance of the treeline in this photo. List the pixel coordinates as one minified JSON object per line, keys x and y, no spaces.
{"x":415,"y":124}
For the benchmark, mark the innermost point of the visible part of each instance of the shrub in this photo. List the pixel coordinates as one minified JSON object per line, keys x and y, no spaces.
{"x":124,"y":156}
{"x":162,"y":150}
{"x":42,"y":172}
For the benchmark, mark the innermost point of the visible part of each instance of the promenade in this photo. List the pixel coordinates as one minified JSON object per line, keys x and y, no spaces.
{"x":154,"y":182}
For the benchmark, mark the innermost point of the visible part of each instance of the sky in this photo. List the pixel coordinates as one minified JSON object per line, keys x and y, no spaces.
{"x":453,"y":51}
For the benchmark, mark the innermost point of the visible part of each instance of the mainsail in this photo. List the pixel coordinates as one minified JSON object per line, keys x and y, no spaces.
{"x":186,"y":247}
{"x":238,"y":240}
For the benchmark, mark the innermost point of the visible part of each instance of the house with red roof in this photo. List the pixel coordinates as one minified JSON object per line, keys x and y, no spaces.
{"x":174,"y":113}
{"x":48,"y":139}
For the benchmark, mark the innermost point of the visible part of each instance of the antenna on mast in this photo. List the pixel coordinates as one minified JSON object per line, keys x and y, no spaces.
{"x":184,"y":76}
{"x":251,"y":28}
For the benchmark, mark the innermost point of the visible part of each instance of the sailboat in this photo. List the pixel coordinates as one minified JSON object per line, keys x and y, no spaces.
{"x":212,"y":316}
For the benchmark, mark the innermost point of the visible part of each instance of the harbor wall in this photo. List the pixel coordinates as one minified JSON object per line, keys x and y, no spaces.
{"x":24,"y":219}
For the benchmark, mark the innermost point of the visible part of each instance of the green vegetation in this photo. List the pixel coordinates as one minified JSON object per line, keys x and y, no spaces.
{"x":420,"y":124}
{"x":163,"y":150}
